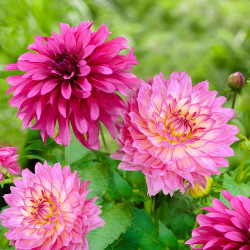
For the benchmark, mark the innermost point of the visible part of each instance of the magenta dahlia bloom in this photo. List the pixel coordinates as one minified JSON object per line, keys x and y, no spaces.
{"x":49,"y":210}
{"x":224,"y":228}
{"x":8,"y":160}
{"x":172,"y":131}
{"x":71,"y":79}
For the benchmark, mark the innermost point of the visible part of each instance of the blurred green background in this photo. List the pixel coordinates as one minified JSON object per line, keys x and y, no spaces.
{"x":209,"y":39}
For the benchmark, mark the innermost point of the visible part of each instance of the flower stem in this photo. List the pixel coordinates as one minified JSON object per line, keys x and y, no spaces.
{"x":63,"y":156}
{"x":103,"y":138}
{"x":234,"y":98}
{"x":241,"y":168}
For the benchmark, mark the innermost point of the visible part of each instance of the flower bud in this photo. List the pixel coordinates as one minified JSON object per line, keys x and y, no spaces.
{"x":199,"y":192}
{"x":236,"y":81}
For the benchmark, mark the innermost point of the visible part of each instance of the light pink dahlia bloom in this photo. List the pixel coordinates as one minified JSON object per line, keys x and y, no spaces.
{"x":172,"y":131}
{"x":72,"y":78}
{"x":48,"y":210}
{"x":224,"y":228}
{"x":8,"y":160}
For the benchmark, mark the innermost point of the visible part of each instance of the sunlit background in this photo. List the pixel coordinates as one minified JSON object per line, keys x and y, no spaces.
{"x":209,"y":39}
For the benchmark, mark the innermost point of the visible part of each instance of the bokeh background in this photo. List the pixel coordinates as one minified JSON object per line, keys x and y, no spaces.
{"x":209,"y":39}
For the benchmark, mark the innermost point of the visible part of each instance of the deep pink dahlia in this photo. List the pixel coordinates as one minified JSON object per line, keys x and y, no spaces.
{"x":172,"y":131}
{"x":223,"y":228}
{"x":48,"y":210}
{"x":8,"y":160}
{"x":72,"y":78}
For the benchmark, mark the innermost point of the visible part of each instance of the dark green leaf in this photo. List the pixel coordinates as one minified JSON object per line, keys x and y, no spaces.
{"x":97,"y":173}
{"x":167,"y":238}
{"x":182,"y":224}
{"x":118,"y":218}
{"x":143,"y":232}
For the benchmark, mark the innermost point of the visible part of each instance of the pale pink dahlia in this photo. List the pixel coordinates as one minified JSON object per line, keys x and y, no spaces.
{"x":172,"y":131}
{"x":224,"y":228}
{"x":72,"y":78}
{"x":8,"y":160}
{"x":48,"y":210}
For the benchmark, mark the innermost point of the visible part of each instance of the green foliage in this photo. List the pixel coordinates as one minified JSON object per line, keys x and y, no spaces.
{"x":167,"y":238}
{"x":118,"y":218}
{"x":75,"y":151}
{"x":234,"y":188}
{"x":142,"y":234}
{"x":209,"y":39}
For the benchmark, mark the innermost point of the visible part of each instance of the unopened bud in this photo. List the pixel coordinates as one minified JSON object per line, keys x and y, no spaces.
{"x":199,"y":192}
{"x":236,"y":81}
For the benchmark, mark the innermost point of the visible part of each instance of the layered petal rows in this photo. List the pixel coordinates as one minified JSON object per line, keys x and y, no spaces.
{"x":71,"y":79}
{"x":172,"y":132}
{"x":8,"y":160}
{"x":224,"y":228}
{"x":49,"y":210}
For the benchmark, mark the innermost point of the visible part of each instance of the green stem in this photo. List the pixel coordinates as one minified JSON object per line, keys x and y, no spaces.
{"x":234,"y":98}
{"x":63,"y":156}
{"x":241,"y":167}
{"x":103,"y":138}
{"x":8,"y":181}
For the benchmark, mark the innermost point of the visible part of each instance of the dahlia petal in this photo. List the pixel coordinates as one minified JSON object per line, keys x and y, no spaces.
{"x":64,"y":132}
{"x":100,"y":36}
{"x":70,"y":42}
{"x":94,"y":108}
{"x":12,"y":66}
{"x":107,"y":121}
{"x":236,"y":236}
{"x":66,"y":90}
{"x":48,"y":86}
{"x":14,"y":80}
{"x":83,"y":40}
{"x":64,"y":29}
{"x":41,"y":46}
{"x":80,"y":121}
{"x":101,"y":70}
{"x":104,"y":86}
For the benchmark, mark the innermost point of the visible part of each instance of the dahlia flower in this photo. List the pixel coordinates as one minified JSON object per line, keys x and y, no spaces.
{"x":8,"y":160}
{"x":71,"y":79}
{"x":224,"y":228}
{"x":49,"y":210}
{"x":172,"y":131}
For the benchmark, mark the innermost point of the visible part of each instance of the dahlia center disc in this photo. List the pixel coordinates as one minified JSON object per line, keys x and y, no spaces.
{"x":65,"y":66}
{"x":44,"y":210}
{"x":179,"y":126}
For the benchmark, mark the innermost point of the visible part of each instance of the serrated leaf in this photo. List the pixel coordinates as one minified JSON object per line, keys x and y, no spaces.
{"x":118,"y":218}
{"x":121,"y":244}
{"x":97,"y":173}
{"x":187,"y":223}
{"x":121,"y":186}
{"x":143,"y":232}
{"x":167,"y":237}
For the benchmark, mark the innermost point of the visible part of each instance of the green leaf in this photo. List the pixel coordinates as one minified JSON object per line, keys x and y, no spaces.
{"x":182,"y":224}
{"x":122,"y":244}
{"x":179,"y":204}
{"x":234,"y":188}
{"x":143,"y":232}
{"x":136,"y":178}
{"x":118,"y":218}
{"x":121,"y":186}
{"x":75,"y":151}
{"x":97,"y":173}
{"x":167,"y":238}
